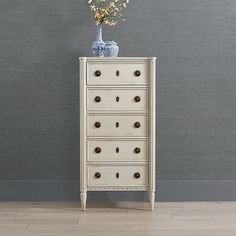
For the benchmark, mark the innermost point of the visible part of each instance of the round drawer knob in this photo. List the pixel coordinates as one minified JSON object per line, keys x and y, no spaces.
{"x":137,"y":99}
{"x":137,"y":150}
{"x":97,"y":149}
{"x":97,"y":124}
{"x":117,"y":73}
{"x":97,"y":73}
{"x":137,"y":73}
{"x":117,"y":175}
{"x":137,"y":124}
{"x":137,"y":175}
{"x":97,"y":175}
{"x":97,"y":99}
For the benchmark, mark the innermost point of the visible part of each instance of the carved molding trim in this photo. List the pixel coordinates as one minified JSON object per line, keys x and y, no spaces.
{"x":118,"y":188}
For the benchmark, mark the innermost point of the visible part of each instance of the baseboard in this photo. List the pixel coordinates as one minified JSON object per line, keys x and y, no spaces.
{"x":197,"y":190}
{"x":69,"y":191}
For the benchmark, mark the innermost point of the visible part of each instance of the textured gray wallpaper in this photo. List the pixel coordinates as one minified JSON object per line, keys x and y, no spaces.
{"x":194,"y":40}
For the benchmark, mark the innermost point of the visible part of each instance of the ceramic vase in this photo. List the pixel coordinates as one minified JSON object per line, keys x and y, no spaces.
{"x":111,"y":49}
{"x":98,"y":46}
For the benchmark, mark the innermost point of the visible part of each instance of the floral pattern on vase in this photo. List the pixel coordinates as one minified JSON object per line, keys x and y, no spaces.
{"x":111,"y":49}
{"x":98,"y":46}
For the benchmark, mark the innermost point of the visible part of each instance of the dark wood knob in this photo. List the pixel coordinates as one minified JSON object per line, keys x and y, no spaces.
{"x":137,"y":150}
{"x":137,"y":99}
{"x":97,"y":149}
{"x":97,"y":99}
{"x":97,"y":124}
{"x":98,"y":73}
{"x":137,"y":175}
{"x":117,"y":175}
{"x":137,"y":124}
{"x":97,"y":175}
{"x":137,"y":73}
{"x":117,"y":99}
{"x":117,"y":73}
{"x":117,"y":124}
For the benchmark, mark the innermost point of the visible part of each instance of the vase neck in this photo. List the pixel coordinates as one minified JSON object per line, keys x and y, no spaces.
{"x":99,"y":33}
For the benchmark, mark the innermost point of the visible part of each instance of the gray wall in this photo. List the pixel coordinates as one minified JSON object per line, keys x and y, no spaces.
{"x":194,"y":40}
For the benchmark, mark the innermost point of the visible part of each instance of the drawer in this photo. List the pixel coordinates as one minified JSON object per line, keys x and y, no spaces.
{"x":117,"y":125}
{"x":117,"y":99}
{"x":119,"y":73}
{"x":117,"y":150}
{"x":117,"y":175}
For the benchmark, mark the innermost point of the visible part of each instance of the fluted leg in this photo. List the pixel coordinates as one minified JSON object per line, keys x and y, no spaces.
{"x":151,"y":196}
{"x":83,"y":199}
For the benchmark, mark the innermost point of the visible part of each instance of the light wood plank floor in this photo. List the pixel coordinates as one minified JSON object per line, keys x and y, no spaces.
{"x":131,"y":219}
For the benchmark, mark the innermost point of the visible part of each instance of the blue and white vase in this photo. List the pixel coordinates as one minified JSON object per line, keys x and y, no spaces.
{"x":111,"y":49}
{"x":98,"y":46}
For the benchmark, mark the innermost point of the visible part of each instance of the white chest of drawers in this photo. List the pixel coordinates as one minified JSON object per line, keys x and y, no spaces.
{"x":117,"y":125}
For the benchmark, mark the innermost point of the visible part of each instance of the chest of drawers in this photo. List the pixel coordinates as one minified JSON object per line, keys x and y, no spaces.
{"x":117,"y":125}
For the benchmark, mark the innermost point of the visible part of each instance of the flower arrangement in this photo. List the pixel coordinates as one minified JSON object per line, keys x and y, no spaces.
{"x":109,"y":13}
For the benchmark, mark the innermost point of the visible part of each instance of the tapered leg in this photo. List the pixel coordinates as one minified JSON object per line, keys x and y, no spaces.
{"x":151,"y":196}
{"x":83,"y":199}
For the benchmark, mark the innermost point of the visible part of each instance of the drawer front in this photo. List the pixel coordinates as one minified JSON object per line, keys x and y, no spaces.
{"x":117,"y":99}
{"x":120,"y":73}
{"x":135,"y":175}
{"x":117,"y":150}
{"x":112,"y":125}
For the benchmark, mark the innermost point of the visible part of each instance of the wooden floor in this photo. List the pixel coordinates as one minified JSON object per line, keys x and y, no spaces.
{"x":133,"y":219}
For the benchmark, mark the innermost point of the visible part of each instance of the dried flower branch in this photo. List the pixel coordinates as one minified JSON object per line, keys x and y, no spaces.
{"x":108,"y":13}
